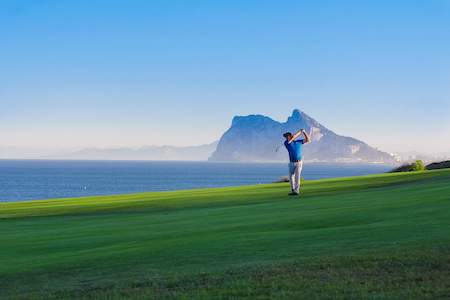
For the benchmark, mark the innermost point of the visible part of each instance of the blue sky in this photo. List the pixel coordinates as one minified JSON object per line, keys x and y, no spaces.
{"x":128,"y":73}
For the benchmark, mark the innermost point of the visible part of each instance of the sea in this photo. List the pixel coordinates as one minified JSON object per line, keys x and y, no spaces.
{"x":22,"y":180}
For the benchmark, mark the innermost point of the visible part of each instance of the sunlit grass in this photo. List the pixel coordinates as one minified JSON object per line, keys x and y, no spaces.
{"x":378,"y":236}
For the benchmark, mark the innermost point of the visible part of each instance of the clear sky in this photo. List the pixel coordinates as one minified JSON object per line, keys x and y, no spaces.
{"x":128,"y":73}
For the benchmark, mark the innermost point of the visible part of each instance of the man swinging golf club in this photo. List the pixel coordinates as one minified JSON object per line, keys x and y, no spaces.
{"x":294,"y":147}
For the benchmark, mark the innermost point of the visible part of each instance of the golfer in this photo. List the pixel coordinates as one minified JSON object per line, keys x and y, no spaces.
{"x":294,"y":147}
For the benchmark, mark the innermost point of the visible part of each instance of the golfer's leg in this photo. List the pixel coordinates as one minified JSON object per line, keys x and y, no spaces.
{"x":291,"y":176}
{"x":297,"y":177}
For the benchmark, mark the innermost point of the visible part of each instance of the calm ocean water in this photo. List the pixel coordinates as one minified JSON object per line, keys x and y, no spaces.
{"x":42,"y":179}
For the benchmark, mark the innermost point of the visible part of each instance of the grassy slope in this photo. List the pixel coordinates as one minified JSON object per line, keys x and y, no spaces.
{"x":383,"y":236}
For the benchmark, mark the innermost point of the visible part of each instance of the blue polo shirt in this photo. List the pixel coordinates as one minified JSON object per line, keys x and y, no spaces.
{"x":294,"y":149}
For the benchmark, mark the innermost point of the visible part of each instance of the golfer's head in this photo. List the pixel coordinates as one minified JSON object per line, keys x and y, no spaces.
{"x":287,"y":135}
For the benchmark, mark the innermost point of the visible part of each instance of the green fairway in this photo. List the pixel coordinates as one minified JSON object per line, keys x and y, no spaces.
{"x":384,"y":236}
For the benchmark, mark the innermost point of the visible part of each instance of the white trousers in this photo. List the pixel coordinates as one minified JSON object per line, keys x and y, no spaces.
{"x":295,"y":171}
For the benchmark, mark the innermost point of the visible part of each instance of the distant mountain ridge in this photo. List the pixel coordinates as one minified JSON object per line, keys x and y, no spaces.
{"x":257,"y":138}
{"x":188,"y":153}
{"x":253,"y":138}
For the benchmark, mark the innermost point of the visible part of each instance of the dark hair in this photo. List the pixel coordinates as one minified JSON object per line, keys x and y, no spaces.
{"x":286,"y":134}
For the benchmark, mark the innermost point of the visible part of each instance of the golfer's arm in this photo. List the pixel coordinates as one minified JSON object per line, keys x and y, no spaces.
{"x":307,"y":139}
{"x":299,"y":133}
